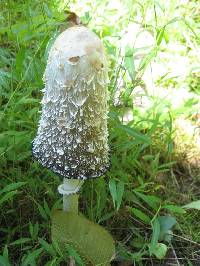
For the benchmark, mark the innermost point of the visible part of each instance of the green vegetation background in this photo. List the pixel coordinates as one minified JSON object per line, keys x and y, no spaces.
{"x":140,"y":200}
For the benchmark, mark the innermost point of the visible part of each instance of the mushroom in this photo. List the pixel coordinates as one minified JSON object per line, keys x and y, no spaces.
{"x":72,"y":135}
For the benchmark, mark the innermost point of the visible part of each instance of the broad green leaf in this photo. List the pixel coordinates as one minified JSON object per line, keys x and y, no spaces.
{"x":46,"y":208}
{"x":193,"y":205}
{"x":34,"y":229}
{"x":136,"y":134}
{"x":53,"y":262}
{"x":142,"y":216}
{"x":120,"y":192}
{"x":21,"y":241}
{"x":166,"y":165}
{"x":4,"y":261}
{"x":102,"y":195}
{"x":129,"y":62}
{"x":160,"y":35}
{"x":31,"y":230}
{"x":12,"y":186}
{"x":155,"y":235}
{"x":47,"y":10}
{"x":174,"y":208}
{"x":166,"y":224}
{"x":31,"y":257}
{"x":91,"y":241}
{"x":106,"y":216}
{"x":5,"y":252}
{"x":150,"y":200}
{"x":8,"y":196}
{"x":113,"y":190}
{"x":48,"y":247}
{"x":160,"y":251}
{"x":166,"y":37}
{"x":146,"y":60}
{"x":42,"y":211}
{"x":72,"y":253}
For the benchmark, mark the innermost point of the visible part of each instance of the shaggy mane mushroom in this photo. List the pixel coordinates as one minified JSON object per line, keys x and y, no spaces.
{"x":72,"y":135}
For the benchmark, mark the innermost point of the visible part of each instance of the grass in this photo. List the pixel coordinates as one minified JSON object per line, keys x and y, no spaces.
{"x":140,"y":198}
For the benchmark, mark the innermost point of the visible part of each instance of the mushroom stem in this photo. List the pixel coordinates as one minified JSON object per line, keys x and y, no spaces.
{"x":70,"y":203}
{"x":69,"y":190}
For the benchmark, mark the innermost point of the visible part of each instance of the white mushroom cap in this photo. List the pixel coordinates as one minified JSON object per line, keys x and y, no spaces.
{"x":72,"y":134}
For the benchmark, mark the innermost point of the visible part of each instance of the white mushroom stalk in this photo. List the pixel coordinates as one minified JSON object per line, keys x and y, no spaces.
{"x":72,"y":135}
